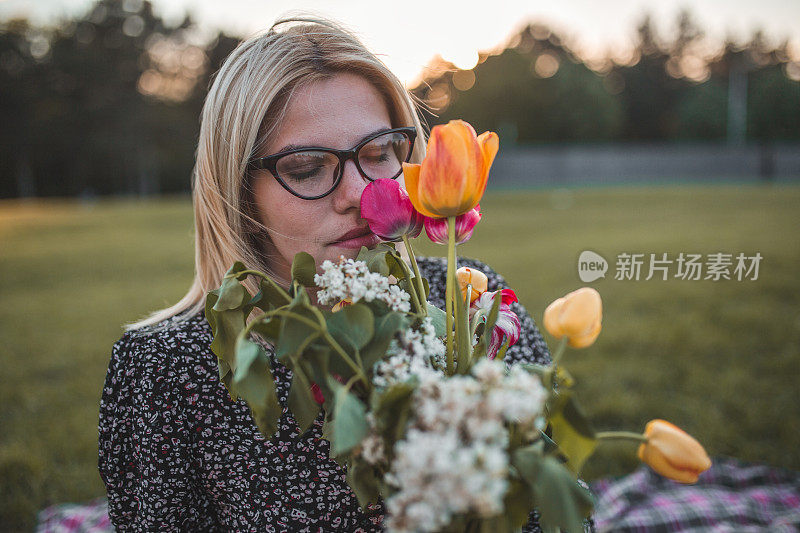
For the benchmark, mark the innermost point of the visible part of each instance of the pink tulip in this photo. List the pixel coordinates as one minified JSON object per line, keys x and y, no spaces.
{"x":436,"y":228}
{"x":388,"y":211}
{"x":507,"y":324}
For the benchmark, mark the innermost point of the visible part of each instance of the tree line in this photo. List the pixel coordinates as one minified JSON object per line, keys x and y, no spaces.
{"x":109,"y":102}
{"x":537,"y":90}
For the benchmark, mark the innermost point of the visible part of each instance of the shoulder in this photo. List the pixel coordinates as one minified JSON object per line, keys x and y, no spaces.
{"x":169,"y":340}
{"x":152,"y":360}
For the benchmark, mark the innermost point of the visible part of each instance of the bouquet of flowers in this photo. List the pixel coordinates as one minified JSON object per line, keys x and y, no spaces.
{"x":418,"y":404}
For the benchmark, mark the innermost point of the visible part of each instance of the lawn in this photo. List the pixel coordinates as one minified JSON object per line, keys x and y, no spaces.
{"x":718,"y":358}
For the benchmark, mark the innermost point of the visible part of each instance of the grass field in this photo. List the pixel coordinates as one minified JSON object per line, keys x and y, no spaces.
{"x":720,"y":359}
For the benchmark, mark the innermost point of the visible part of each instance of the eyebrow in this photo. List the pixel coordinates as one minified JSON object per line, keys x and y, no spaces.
{"x":296,"y":146}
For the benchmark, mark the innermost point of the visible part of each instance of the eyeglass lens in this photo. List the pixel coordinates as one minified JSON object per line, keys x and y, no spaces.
{"x":314,"y":172}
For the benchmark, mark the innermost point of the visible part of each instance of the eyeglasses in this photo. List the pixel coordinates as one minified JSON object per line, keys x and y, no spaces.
{"x":311,"y":173}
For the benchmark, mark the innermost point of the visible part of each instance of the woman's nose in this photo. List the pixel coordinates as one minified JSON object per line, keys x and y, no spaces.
{"x":350,"y":189}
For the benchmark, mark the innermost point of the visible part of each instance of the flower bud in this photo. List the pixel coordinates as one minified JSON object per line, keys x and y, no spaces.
{"x":436,"y":228}
{"x":578,"y":316}
{"x":476,"y":278}
{"x":672,"y":452}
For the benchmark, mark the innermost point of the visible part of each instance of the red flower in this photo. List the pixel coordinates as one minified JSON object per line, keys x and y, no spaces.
{"x":507,"y":324}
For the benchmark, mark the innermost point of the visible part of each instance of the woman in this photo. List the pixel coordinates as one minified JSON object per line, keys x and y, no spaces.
{"x":176,"y":453}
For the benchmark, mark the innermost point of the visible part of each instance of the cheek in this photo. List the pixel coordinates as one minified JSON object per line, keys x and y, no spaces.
{"x":294,"y":224}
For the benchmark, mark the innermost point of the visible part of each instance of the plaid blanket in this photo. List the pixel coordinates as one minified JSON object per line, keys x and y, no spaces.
{"x":91,"y":517}
{"x":732,"y":496}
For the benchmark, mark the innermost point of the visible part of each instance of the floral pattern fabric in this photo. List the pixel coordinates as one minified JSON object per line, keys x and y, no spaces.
{"x":178,"y":454}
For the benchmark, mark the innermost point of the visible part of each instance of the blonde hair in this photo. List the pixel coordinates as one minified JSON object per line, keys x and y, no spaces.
{"x":257,"y":80}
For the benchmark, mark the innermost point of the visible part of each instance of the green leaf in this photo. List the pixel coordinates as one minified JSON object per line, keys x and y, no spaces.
{"x":225,"y":326}
{"x":362,"y":479}
{"x":304,"y":268}
{"x":297,"y":328}
{"x":573,"y":434}
{"x":327,"y":426}
{"x":352,"y":326}
{"x":226,"y":377}
{"x":561,"y":501}
{"x":385,"y":329}
{"x":534,"y":368}
{"x":573,"y":413}
{"x":491,"y":319}
{"x":232,"y":295}
{"x":392,"y":410}
{"x":426,"y":286}
{"x":270,"y":295}
{"x":257,"y":388}
{"x":501,"y":353}
{"x":268,"y":328}
{"x":349,"y":419}
{"x":315,"y":360}
{"x":463,"y":341}
{"x":438,"y":319}
{"x":518,"y":504}
{"x":247,"y":351}
{"x":397,"y":266}
{"x":301,"y":400}
{"x":549,"y":445}
{"x":485,"y":330}
{"x":375,"y":258}
{"x":235,"y":271}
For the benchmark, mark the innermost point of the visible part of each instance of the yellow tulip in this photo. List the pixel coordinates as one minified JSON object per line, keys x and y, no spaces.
{"x":476,"y":278}
{"x":452,"y":177}
{"x":672,"y":452}
{"x":578,"y":316}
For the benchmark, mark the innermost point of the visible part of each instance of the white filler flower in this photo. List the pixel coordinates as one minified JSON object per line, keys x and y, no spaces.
{"x":350,"y":279}
{"x":453,"y":459}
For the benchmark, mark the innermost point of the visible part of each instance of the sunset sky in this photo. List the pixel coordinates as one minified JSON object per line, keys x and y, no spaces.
{"x":407,"y":34}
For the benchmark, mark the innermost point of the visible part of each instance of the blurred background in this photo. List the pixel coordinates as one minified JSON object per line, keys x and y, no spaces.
{"x":625,"y":127}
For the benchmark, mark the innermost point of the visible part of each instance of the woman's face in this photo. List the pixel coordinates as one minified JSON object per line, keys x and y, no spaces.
{"x":337,"y":112}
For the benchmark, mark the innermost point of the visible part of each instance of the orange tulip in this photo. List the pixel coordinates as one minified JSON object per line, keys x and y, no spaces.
{"x":578,"y":315}
{"x":476,"y":278}
{"x":672,"y":452}
{"x":452,"y":177}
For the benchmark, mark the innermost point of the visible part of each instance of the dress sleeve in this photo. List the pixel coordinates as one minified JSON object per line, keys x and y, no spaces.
{"x":143,"y":443}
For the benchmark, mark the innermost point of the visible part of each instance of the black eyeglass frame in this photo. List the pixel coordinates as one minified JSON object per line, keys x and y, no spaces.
{"x":270,"y":162}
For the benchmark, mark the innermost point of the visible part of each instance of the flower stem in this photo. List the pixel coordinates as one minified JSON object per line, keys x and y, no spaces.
{"x":418,"y":308}
{"x":620,"y":435}
{"x":417,"y":277}
{"x":451,"y":273}
{"x":556,"y":358}
{"x":266,"y":278}
{"x":559,"y":351}
{"x":321,"y":330}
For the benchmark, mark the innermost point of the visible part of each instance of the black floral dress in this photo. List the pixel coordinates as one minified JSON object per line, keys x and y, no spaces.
{"x":177,"y":454}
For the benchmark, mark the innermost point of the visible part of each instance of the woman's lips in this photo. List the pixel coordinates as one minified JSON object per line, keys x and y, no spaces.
{"x":356,"y":239}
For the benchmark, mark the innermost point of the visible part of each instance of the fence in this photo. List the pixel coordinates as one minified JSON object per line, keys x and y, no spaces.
{"x":567,"y":165}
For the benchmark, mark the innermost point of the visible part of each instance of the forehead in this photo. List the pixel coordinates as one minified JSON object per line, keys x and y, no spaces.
{"x":336,"y":112}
